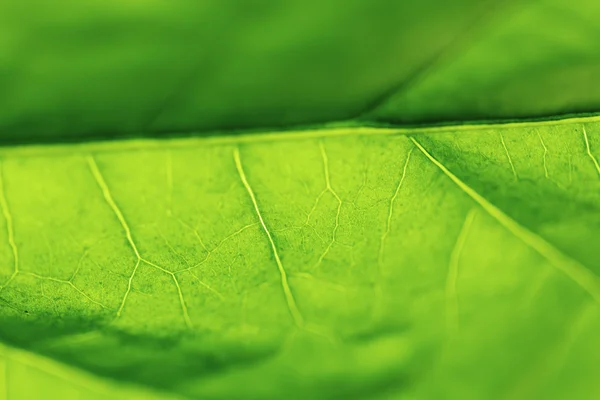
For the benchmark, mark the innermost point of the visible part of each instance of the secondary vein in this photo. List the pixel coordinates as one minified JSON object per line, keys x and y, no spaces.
{"x":573,"y":269}
{"x":289,"y":296}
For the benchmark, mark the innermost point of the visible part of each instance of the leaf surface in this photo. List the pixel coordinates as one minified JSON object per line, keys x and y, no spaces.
{"x":74,"y":71}
{"x":454,"y":262}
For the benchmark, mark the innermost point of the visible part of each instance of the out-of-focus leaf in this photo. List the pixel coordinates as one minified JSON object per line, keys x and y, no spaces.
{"x":74,"y":70}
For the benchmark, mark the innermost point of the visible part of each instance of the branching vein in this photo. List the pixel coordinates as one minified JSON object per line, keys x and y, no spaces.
{"x":388,"y":225}
{"x":66,"y":282}
{"x":111,"y":202}
{"x":314,"y":207}
{"x":209,"y":253}
{"x":184,"y":309}
{"x":289,"y":297}
{"x":139,"y":259}
{"x":329,"y":189}
{"x":196,"y":234}
{"x":573,"y":269}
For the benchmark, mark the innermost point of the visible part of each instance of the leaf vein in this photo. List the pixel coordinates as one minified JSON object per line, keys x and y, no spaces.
{"x":589,"y":150}
{"x":289,"y":296}
{"x":580,"y":274}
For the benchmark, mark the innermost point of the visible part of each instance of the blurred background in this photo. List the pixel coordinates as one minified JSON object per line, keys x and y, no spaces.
{"x":100,"y":69}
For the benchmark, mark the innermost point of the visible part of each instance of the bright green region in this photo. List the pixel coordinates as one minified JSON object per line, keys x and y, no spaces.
{"x":74,"y":70}
{"x":454,"y":263}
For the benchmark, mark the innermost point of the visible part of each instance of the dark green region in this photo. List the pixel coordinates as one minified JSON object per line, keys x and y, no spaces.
{"x":80,"y":71}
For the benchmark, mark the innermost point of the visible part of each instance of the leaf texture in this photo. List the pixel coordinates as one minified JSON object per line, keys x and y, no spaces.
{"x":454,"y":262}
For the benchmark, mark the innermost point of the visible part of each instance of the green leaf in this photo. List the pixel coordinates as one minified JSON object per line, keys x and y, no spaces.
{"x":454,"y":262}
{"x":527,"y":59}
{"x":328,"y":254}
{"x":118,"y":68}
